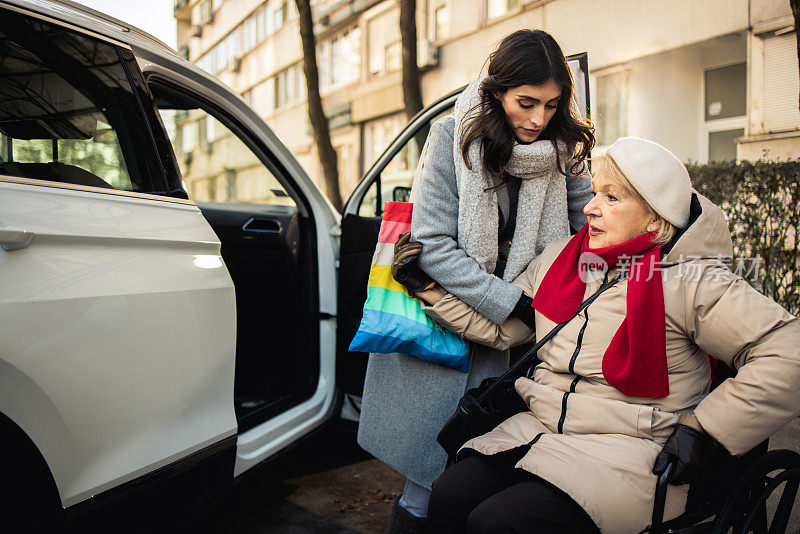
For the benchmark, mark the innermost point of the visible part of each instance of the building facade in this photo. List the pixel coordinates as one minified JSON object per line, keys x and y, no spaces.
{"x":711,"y":79}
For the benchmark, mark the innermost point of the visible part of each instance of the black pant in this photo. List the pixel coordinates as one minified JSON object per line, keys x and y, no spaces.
{"x":479,"y":494}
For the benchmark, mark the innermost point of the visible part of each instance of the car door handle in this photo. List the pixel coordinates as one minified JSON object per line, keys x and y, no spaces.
{"x":14,"y":238}
{"x":262,"y":226}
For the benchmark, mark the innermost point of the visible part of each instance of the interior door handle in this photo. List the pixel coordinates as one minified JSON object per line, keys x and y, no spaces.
{"x":14,"y":238}
{"x":262,"y":226}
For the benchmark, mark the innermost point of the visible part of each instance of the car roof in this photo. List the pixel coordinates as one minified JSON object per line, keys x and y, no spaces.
{"x":95,"y":21}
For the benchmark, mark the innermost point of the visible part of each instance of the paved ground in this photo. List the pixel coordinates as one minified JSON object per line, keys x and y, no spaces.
{"x":325,"y":485}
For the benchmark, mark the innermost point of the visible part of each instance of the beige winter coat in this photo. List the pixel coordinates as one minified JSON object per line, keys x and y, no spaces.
{"x":599,"y":445}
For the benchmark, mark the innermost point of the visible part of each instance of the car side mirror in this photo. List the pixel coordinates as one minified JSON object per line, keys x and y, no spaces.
{"x":401,"y":193}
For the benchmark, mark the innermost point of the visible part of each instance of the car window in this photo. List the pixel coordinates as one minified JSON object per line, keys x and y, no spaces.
{"x":216,"y":165}
{"x":68,"y":112}
{"x":395,"y":180}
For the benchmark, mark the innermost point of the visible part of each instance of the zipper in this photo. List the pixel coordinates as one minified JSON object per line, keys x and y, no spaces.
{"x":574,"y":384}
{"x":580,"y":342}
{"x":563,"y":413}
{"x":532,"y":442}
{"x":572,"y":370}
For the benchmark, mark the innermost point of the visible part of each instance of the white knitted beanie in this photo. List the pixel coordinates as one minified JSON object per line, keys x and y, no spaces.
{"x":657,"y":175}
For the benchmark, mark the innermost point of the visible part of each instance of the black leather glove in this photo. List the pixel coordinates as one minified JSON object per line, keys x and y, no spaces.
{"x":690,"y":450}
{"x":523,"y":310}
{"x":405,"y":266}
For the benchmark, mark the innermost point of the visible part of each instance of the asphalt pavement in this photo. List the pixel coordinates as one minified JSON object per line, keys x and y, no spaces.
{"x":326,"y":484}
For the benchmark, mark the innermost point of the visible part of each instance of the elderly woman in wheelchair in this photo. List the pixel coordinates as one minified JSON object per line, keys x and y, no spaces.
{"x":622,"y":391}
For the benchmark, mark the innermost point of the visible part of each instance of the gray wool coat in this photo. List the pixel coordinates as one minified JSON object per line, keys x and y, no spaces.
{"x":407,"y":400}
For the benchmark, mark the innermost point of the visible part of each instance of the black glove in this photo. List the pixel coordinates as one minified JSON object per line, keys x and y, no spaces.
{"x":405,"y":266}
{"x":689,"y":449}
{"x":523,"y":310}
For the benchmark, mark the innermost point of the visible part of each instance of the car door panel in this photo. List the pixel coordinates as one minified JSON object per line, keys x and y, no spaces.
{"x":279,"y":255}
{"x":354,"y":262}
{"x":261,"y":247}
{"x":121,"y":325}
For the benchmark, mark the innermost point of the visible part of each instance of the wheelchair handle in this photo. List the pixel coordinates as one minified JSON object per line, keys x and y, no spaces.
{"x":660,"y":498}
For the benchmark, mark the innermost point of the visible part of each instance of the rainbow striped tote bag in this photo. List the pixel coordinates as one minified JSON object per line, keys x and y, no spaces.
{"x":393,"y":320}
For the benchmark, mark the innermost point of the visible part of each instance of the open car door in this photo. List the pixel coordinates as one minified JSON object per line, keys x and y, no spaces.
{"x":390,"y":179}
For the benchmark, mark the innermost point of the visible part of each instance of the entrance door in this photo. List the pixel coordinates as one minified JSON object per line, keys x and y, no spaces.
{"x":390,"y":178}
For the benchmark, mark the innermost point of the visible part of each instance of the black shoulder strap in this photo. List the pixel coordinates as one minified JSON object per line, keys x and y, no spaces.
{"x":515,"y":370}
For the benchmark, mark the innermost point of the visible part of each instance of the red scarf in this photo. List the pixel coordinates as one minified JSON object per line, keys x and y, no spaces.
{"x":635,"y":361}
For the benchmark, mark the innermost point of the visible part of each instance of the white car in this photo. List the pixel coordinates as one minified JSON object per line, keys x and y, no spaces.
{"x":141,"y":332}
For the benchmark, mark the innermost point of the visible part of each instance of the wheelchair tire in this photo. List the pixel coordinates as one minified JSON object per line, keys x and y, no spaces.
{"x":745,"y":508}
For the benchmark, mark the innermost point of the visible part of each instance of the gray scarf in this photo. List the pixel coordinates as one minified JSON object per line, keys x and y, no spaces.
{"x":542,"y":208}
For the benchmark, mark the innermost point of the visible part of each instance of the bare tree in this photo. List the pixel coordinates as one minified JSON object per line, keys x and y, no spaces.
{"x":319,"y":122}
{"x":412,"y":96}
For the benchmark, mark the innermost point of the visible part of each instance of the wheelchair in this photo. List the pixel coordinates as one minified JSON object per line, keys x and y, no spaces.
{"x":732,"y":495}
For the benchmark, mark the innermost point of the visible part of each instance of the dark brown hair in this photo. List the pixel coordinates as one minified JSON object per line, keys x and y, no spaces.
{"x":525,"y":57}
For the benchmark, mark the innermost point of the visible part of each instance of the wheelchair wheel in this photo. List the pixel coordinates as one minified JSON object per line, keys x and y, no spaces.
{"x":745,"y":510}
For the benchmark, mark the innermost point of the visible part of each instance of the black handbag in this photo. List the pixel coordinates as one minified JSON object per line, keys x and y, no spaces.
{"x":484,"y":407}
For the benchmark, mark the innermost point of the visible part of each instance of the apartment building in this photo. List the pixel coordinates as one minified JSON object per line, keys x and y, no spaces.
{"x":710,"y":79}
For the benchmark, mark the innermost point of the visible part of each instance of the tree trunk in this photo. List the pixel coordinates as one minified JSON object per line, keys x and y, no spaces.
{"x":319,"y":122}
{"x":412,"y":96}
{"x":796,"y":12}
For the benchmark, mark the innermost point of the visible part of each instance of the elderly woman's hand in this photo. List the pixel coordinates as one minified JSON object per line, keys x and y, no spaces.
{"x":405,"y":266}
{"x":689,"y":447}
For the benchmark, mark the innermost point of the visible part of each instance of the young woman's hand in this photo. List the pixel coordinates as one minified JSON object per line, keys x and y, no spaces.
{"x":405,"y":266}
{"x":524,"y":311}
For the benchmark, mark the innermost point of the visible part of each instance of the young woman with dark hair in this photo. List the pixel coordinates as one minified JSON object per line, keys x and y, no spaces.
{"x":512,"y":66}
{"x":501,"y":177}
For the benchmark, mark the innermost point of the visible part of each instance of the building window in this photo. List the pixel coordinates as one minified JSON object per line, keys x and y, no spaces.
{"x":203,"y":13}
{"x":612,"y":107}
{"x":383,"y":44}
{"x":340,"y":60}
{"x":278,"y":16}
{"x":377,"y":135}
{"x":726,"y":92}
{"x":230,"y":185}
{"x":289,"y":86}
{"x":261,"y":23}
{"x":725,"y":111}
{"x":220,"y":57}
{"x":206,"y":12}
{"x":498,"y":8}
{"x":211,"y":192}
{"x":265,"y":21}
{"x":780,"y":84}
{"x":207,"y":127}
{"x":722,"y":144}
{"x":189,"y":137}
{"x":441,"y":18}
{"x":249,"y":34}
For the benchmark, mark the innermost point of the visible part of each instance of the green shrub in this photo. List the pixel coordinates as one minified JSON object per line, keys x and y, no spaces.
{"x":761,"y":201}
